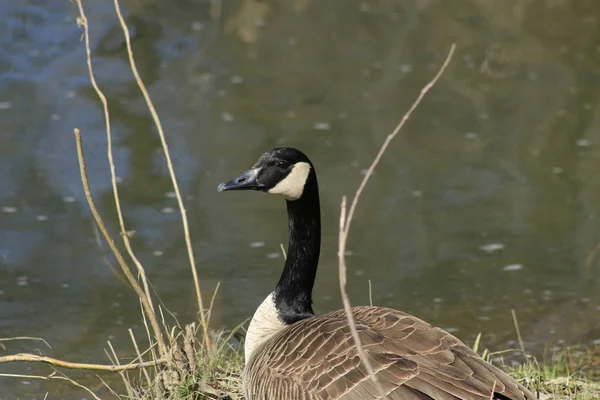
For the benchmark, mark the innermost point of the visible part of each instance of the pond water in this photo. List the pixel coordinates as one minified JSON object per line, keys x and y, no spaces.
{"x":488,"y":201}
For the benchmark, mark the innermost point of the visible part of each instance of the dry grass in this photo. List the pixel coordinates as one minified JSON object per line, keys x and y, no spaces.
{"x":555,"y":379}
{"x":198,"y":372}
{"x":565,"y":374}
{"x":172,"y":356}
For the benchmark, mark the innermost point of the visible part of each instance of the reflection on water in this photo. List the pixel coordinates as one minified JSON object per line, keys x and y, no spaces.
{"x":488,"y":202}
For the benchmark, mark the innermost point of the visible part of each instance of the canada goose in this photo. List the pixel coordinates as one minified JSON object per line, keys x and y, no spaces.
{"x":292,"y":354}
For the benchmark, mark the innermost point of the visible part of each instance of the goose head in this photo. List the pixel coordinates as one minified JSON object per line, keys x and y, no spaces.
{"x":284,"y":171}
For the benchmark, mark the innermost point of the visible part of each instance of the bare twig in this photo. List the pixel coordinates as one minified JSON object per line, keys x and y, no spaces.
{"x":107,"y":386}
{"x":346,"y":218}
{"x":165,"y":146}
{"x":392,"y":135}
{"x":132,"y":281}
{"x":151,"y":349}
{"x":493,"y":390}
{"x":25,"y":357}
{"x":139,"y":356}
{"x":346,"y":300}
{"x":82,"y":20}
{"x":518,"y":330}
{"x":25,"y":338}
{"x":124,"y":374}
{"x":113,"y":268}
{"x":54,"y":376}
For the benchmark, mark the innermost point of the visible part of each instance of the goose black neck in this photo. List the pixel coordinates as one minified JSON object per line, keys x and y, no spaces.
{"x":293,"y":293}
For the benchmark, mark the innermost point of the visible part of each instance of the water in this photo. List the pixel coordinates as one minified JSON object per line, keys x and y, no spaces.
{"x":488,"y":201}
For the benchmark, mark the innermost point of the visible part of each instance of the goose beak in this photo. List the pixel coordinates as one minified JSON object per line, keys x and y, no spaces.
{"x":245,"y":181}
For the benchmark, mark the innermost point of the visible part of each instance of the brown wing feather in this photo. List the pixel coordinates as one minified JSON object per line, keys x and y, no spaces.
{"x":316,"y":359}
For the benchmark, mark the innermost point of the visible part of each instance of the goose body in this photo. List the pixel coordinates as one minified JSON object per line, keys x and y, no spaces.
{"x":291,"y":354}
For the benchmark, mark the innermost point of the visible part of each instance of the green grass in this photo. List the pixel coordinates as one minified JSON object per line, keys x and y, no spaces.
{"x":567,"y":374}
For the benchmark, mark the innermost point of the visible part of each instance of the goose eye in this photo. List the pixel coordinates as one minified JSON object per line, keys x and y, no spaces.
{"x":282,"y":164}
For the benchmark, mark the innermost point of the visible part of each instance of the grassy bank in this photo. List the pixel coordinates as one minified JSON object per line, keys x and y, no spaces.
{"x":570,"y":373}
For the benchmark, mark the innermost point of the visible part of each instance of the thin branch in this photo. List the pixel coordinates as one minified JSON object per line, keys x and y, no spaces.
{"x":151,"y":349}
{"x":139,"y":356}
{"x":83,"y":22}
{"x":26,"y":357}
{"x":124,"y":374}
{"x":56,"y":377}
{"x":25,"y":338}
{"x":165,"y":146}
{"x":493,"y":390}
{"x":392,"y":135}
{"x":114,"y":353}
{"x":132,"y":281}
{"x":75,"y":383}
{"x":107,"y":386}
{"x":346,"y":219}
{"x":516,"y":323}
{"x":346,"y":300}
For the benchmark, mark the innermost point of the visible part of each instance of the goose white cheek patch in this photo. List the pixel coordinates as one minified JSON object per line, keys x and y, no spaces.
{"x":292,"y":186}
